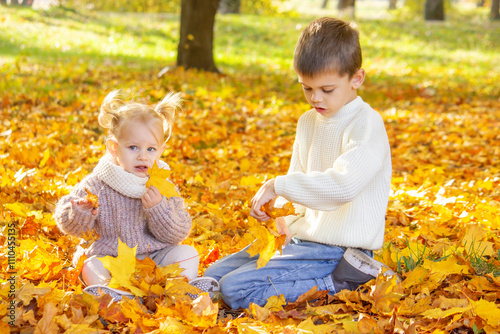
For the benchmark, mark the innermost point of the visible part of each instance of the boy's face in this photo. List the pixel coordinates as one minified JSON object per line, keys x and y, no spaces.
{"x":137,"y":147}
{"x":328,"y":92}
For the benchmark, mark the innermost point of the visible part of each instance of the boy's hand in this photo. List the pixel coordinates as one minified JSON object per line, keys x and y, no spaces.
{"x":282,"y":228}
{"x":265,"y":194}
{"x":151,"y":197}
{"x":84,"y":204}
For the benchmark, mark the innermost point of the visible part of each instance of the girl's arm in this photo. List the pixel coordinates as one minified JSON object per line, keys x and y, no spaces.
{"x":74,"y":214}
{"x":168,"y":221}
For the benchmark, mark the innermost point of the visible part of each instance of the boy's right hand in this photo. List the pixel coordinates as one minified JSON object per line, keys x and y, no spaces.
{"x":282,"y":228}
{"x":265,"y":194}
{"x":84,"y":204}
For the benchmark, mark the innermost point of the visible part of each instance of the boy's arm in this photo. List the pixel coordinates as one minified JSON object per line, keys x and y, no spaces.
{"x":168,"y":221}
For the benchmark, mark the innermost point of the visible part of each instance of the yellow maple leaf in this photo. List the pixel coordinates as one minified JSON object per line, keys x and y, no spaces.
{"x":437,"y":313}
{"x":265,"y":244}
{"x":121,"y":268}
{"x":486,"y":310}
{"x":275,"y":303}
{"x":446,"y":267}
{"x":158,"y":177}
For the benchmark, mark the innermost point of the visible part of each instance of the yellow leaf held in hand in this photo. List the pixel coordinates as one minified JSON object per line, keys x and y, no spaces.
{"x":287,"y":210}
{"x":158,"y":178}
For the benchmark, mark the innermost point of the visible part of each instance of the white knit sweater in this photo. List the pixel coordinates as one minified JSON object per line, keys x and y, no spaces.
{"x":339,"y":177}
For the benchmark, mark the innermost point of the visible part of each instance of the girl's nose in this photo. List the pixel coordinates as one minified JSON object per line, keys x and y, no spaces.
{"x":142,"y":155}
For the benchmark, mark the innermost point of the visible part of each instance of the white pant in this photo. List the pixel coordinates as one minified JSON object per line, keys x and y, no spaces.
{"x":94,"y":273}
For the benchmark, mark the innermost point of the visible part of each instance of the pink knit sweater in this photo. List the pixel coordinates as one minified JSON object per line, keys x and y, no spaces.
{"x":120,"y":216}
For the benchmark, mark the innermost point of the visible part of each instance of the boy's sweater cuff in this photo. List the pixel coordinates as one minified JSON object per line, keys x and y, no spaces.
{"x":280,"y":185}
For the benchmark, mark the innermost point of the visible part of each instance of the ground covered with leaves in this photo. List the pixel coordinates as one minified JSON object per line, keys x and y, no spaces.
{"x":436,"y":86}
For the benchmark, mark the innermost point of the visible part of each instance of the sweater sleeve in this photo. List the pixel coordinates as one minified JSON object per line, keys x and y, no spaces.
{"x":362,"y":157}
{"x":69,"y":218}
{"x":168,"y":221}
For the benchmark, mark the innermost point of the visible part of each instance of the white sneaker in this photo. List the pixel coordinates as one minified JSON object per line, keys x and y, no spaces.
{"x":355,"y":269}
{"x":205,"y":284}
{"x":99,"y":290}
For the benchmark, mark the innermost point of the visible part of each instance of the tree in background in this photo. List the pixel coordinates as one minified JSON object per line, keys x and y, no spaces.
{"x":195,"y":49}
{"x":495,"y":10}
{"x":434,"y":10}
{"x":346,"y":8}
{"x":229,"y":6}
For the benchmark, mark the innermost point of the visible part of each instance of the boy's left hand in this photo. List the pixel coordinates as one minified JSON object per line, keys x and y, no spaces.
{"x":265,"y":194}
{"x":151,"y":197}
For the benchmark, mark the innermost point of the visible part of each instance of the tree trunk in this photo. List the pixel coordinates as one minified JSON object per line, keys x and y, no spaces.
{"x":325,"y":3}
{"x":229,"y":6}
{"x":495,"y":10}
{"x":195,"y":49}
{"x":392,"y":4}
{"x":346,"y":8}
{"x":434,"y":10}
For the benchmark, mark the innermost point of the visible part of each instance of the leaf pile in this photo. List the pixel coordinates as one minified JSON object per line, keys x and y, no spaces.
{"x":235,"y":132}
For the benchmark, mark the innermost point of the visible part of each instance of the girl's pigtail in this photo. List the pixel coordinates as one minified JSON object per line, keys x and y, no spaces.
{"x":167,"y":108}
{"x":108,"y":117}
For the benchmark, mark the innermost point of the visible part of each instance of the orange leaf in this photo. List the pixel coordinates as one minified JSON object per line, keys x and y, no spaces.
{"x":93,"y":199}
{"x":287,"y":210}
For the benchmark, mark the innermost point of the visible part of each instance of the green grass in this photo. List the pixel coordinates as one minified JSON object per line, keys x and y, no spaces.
{"x":452,"y":58}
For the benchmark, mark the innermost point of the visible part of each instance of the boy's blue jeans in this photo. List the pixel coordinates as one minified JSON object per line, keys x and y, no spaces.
{"x":302,"y":266}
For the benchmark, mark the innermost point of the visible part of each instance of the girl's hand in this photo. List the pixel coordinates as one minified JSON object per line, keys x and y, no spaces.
{"x":151,"y":197}
{"x":282,"y":228}
{"x":265,"y":194}
{"x":84,"y":205}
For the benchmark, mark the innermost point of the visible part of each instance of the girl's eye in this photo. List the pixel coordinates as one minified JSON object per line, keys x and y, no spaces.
{"x":151,"y":149}
{"x":132,"y":147}
{"x":306,"y":88}
{"x":327,"y":91}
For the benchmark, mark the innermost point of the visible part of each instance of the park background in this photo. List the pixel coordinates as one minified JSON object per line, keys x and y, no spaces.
{"x":435,"y":83}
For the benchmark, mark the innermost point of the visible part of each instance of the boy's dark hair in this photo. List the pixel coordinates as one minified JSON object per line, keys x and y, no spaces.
{"x":325,"y":45}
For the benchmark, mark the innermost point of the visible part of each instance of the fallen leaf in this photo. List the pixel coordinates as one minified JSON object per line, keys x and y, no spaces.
{"x":121,"y":268}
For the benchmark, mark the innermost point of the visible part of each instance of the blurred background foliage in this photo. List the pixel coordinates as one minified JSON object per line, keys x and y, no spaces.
{"x":264,"y":7}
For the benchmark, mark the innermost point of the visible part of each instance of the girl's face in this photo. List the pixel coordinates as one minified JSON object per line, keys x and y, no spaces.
{"x":137,"y":148}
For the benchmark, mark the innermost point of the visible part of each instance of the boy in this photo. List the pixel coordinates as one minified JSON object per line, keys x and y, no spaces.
{"x":339,"y":181}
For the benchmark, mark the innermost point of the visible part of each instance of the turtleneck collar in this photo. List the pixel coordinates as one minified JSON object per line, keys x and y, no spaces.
{"x":125,"y":183}
{"x":347,"y":110}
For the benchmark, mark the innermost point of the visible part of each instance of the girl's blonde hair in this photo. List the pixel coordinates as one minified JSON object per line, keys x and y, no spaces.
{"x":115,"y":112}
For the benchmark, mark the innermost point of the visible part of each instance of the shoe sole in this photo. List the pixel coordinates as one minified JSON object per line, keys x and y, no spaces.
{"x":365,"y":263}
{"x":114,"y":293}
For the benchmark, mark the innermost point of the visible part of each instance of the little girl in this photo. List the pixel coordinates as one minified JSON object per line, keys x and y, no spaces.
{"x":129,"y":211}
